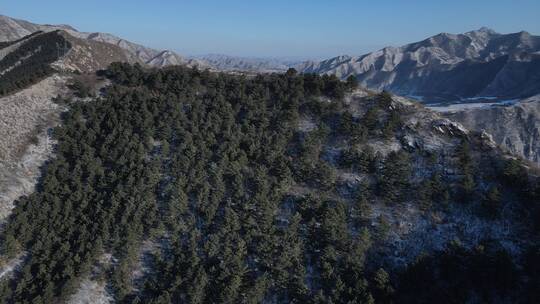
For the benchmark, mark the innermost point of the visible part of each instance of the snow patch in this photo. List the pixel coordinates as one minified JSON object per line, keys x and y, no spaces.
{"x":91,"y":292}
{"x":452,"y":108}
{"x":7,"y":269}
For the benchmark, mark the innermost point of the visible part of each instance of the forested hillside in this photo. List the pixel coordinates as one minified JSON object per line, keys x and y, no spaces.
{"x":273,"y":189}
{"x":31,"y":61}
{"x":4,"y":44}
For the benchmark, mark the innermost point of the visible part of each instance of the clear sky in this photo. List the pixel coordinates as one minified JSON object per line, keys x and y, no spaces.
{"x":296,"y":28}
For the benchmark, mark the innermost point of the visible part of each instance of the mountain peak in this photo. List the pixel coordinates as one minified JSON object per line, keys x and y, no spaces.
{"x":483,"y":31}
{"x":486,"y":30}
{"x":525,"y":34}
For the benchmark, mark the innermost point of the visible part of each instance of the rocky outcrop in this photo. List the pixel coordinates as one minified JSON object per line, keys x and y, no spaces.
{"x":447,"y":66}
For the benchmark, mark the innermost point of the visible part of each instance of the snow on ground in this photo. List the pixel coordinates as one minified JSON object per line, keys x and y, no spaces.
{"x":144,"y":260}
{"x":7,"y":269}
{"x":21,"y":179}
{"x":91,"y":292}
{"x":384,"y":147}
{"x":416,"y":97}
{"x":468,"y":106}
{"x":481,"y":98}
{"x":306,"y":124}
{"x":414,"y":232}
{"x":25,"y":121}
{"x":93,"y":288}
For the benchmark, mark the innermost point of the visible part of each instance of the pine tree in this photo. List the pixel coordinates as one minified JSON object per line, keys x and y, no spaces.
{"x":352,"y":82}
{"x":467,"y":184}
{"x":492,"y":201}
{"x":394,"y":177}
{"x":383,"y":289}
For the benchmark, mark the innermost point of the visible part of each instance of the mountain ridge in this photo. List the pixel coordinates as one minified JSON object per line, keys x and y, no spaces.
{"x":11,"y":29}
{"x":477,"y":63}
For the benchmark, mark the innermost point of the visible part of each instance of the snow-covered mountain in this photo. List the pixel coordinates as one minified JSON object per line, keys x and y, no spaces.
{"x":516,"y":126}
{"x":447,"y":66}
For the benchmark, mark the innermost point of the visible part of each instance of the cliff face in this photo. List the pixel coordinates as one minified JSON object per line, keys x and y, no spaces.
{"x":515,"y":127}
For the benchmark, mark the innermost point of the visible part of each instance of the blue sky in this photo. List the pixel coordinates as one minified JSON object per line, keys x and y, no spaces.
{"x":278,"y":28}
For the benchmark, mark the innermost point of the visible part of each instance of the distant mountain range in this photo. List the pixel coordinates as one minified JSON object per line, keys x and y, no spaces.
{"x":442,"y":68}
{"x":250,"y":64}
{"x":447,"y":67}
{"x":99,"y":49}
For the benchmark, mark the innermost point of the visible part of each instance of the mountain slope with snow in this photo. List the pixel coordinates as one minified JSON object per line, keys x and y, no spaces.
{"x":447,"y":66}
{"x":515,"y":127}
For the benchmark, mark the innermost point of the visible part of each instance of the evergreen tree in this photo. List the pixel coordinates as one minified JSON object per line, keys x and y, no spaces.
{"x":352,"y":82}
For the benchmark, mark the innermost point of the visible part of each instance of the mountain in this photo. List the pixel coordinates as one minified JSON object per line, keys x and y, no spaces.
{"x":177,"y":185}
{"x":30,"y":59}
{"x":447,"y":66}
{"x":516,"y":127}
{"x":38,"y":55}
{"x":248,"y":64}
{"x":182,"y":186}
{"x":12,"y":29}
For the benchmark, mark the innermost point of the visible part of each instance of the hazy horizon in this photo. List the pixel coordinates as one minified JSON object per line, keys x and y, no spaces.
{"x":277,"y":29}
